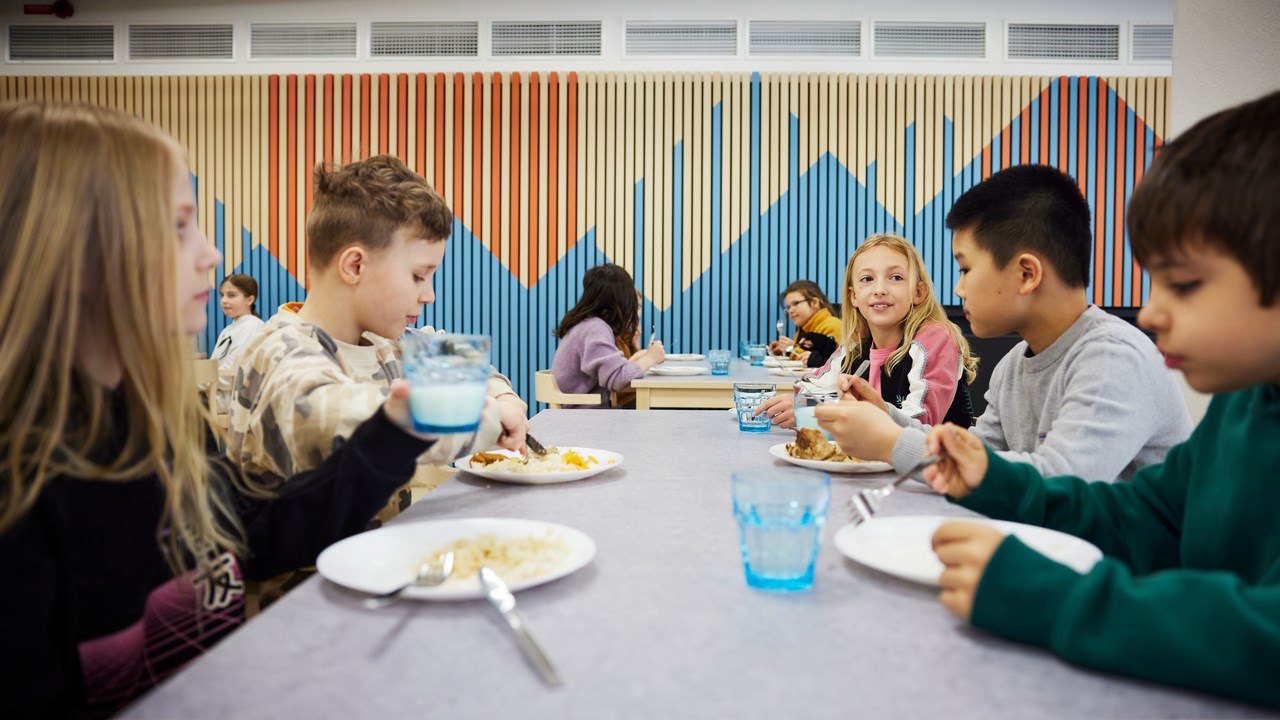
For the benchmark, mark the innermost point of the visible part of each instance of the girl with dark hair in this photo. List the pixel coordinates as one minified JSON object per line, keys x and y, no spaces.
{"x":239,"y":295}
{"x":600,"y":336}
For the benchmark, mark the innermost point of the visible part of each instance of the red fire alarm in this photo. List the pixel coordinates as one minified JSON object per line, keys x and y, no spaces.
{"x":61,"y":8}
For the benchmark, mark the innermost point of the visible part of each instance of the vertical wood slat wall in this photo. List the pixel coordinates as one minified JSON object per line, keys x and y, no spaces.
{"x":714,"y":189}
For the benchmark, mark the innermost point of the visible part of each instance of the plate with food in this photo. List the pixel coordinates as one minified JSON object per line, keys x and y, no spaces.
{"x":680,"y":370}
{"x":561,"y":464}
{"x":686,"y":356}
{"x":903,"y":546}
{"x":524,"y":553}
{"x":811,"y":450}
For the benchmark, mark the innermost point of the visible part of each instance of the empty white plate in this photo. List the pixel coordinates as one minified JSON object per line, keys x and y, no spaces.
{"x":902,"y":546}
{"x":686,"y":356}
{"x":679,"y":370}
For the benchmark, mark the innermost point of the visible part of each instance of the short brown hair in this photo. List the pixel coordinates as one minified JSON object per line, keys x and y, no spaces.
{"x":1217,"y":184}
{"x":366,"y":202}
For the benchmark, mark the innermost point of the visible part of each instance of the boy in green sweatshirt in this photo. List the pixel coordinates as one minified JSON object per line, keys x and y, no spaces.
{"x":1189,"y":591}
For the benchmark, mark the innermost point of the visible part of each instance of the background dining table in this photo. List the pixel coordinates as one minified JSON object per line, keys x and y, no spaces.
{"x":706,"y":391}
{"x":660,"y":624}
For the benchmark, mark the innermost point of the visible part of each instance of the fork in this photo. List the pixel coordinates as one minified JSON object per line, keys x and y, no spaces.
{"x":865,"y":503}
{"x":429,"y":575}
{"x":781,"y":325}
{"x":534,"y":446}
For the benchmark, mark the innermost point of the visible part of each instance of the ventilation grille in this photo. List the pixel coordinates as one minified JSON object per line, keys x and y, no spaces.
{"x":424,"y":39}
{"x":1152,"y":43}
{"x":705,"y":38}
{"x":546,"y":38}
{"x":181,"y":42}
{"x":302,"y":40}
{"x":839,"y":38}
{"x":62,"y":42}
{"x":930,"y":40}
{"x":1064,"y":42}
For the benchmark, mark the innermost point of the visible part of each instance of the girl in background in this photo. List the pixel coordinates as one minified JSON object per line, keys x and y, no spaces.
{"x":124,"y":542}
{"x":239,"y":296}
{"x":817,"y":327}
{"x":599,"y":338}
{"x":918,"y":359}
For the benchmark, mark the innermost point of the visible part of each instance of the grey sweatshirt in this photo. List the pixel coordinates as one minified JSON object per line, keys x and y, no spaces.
{"x":1098,"y":404}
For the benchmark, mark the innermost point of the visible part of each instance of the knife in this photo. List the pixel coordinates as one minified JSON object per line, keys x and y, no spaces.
{"x":535,"y":447}
{"x":502,"y":599}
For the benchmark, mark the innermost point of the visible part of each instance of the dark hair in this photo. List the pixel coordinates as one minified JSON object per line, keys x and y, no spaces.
{"x":1029,"y":208}
{"x":809,"y":290}
{"x":1217,"y":184}
{"x":609,"y":293}
{"x":246,"y":285}
{"x":366,"y":202}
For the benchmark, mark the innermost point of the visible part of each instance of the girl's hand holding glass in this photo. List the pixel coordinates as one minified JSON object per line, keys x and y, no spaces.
{"x":964,"y":460}
{"x":781,"y":410}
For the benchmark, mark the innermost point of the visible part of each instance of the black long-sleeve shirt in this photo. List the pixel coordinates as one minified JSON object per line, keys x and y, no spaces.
{"x":90,"y":613}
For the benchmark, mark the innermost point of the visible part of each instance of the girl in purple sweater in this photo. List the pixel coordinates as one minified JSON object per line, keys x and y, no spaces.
{"x":600,"y":338}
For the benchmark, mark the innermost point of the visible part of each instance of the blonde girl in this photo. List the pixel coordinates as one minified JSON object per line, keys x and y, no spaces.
{"x":124,"y":543}
{"x":918,"y":360}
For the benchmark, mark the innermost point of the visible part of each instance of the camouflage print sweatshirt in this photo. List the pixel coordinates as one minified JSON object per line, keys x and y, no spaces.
{"x":296,"y":396}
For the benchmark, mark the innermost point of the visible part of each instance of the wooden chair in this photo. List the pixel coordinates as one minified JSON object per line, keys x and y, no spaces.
{"x":546,"y":391}
{"x":206,"y":372}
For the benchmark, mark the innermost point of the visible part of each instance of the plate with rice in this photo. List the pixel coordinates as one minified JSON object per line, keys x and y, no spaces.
{"x":561,"y":464}
{"x":524,"y":553}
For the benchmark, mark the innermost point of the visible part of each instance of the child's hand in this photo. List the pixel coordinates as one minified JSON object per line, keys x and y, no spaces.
{"x":656,"y":352}
{"x":963,"y":464}
{"x":515,"y":422}
{"x":855,"y":388}
{"x":964,"y":549}
{"x":396,"y":406}
{"x":781,"y":409}
{"x":860,"y":429}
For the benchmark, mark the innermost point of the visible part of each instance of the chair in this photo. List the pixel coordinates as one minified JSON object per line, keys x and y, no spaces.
{"x":206,"y":372}
{"x":546,"y":391}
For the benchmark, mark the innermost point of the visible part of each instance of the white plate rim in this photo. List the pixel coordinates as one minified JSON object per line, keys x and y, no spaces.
{"x":547,"y":478}
{"x":680,"y":370}
{"x":1080,"y":555}
{"x":679,"y":357}
{"x":334,"y":563}
{"x":774,"y":362}
{"x":870,"y":466}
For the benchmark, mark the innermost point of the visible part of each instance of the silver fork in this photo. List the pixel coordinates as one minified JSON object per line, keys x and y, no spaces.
{"x":781,"y":325}
{"x":865,"y":503}
{"x":429,"y":575}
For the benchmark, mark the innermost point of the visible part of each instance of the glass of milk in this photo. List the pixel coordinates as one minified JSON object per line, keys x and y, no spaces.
{"x":448,"y":375}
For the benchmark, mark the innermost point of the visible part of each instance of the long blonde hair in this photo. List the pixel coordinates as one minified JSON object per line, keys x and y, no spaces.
{"x":87,"y":240}
{"x":854,"y":328}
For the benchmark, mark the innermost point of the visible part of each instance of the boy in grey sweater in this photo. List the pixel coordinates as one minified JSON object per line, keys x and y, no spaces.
{"x":1084,"y":393}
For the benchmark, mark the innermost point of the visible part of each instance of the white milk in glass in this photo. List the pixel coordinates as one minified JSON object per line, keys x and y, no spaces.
{"x":448,"y":407}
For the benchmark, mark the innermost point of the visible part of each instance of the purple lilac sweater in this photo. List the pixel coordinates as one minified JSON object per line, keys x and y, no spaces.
{"x":588,"y":361}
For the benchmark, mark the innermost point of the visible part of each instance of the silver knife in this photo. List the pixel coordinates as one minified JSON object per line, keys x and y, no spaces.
{"x":505,"y":602}
{"x":535,"y":447}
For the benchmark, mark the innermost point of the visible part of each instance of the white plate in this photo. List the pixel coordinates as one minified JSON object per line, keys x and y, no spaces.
{"x":679,"y":370}
{"x":787,"y":372}
{"x":606,"y":460}
{"x":902,"y":546}
{"x":381,"y":560}
{"x":686,"y":356}
{"x":777,"y":362}
{"x":871,"y":466}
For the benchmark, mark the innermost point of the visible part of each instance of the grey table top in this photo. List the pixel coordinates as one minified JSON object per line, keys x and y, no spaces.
{"x":660,"y":624}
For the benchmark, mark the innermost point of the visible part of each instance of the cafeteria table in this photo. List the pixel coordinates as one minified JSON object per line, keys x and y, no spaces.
{"x":704,"y":391}
{"x":660,"y":624}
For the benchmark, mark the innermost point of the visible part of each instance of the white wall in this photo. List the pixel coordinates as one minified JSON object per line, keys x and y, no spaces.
{"x":995,"y":13}
{"x":1224,"y":52}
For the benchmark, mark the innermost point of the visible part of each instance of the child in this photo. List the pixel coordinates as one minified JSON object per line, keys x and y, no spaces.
{"x":599,"y":338}
{"x":817,"y":327}
{"x":123,"y":544}
{"x":239,"y":295}
{"x":918,"y":358}
{"x":376,"y":235}
{"x":1084,"y":393}
{"x":1189,"y":593}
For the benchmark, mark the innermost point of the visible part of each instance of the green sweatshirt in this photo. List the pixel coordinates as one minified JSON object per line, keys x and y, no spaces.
{"x":1189,"y":591}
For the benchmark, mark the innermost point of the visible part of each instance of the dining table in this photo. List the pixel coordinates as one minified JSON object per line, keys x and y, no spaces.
{"x":705,"y":391}
{"x":661,"y":623}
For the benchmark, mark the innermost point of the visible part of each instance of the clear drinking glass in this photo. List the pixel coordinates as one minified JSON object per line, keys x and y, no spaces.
{"x":780,"y":513}
{"x":719,"y":360}
{"x":756,"y":353}
{"x":807,"y":403}
{"x":747,"y":397}
{"x":448,"y":376}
